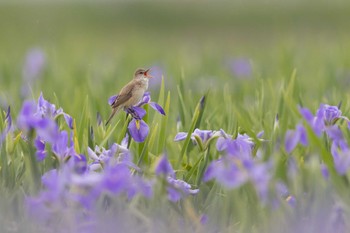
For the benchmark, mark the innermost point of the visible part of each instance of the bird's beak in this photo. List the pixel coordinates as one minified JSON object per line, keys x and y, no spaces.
{"x":147,"y":75}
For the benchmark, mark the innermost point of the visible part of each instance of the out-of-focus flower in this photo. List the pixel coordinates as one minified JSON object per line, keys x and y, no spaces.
{"x":62,"y":148}
{"x":237,"y":165}
{"x":40,"y":149}
{"x":114,"y":155}
{"x":157,"y":72}
{"x":293,"y":137}
{"x":47,"y":109}
{"x":325,"y":117}
{"x":240,"y":67}
{"x":28,"y":120}
{"x":200,"y":137}
{"x":337,"y":220}
{"x":341,"y":156}
{"x":118,"y":179}
{"x":228,"y":171}
{"x":324,"y":171}
{"x":242,"y":143}
{"x":176,"y":188}
{"x":33,"y":66}
{"x":164,"y":167}
{"x":284,"y":193}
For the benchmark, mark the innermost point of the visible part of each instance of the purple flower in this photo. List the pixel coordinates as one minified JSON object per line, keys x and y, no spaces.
{"x":32,"y":69}
{"x":118,"y":179}
{"x":34,"y":63}
{"x":227,"y":172}
{"x":116,"y":154}
{"x":293,"y":137}
{"x":138,"y":130}
{"x":178,"y":189}
{"x":242,"y":146}
{"x":61,"y":147}
{"x":164,"y":167}
{"x":341,"y":156}
{"x":28,"y":120}
{"x":40,"y":149}
{"x":331,"y":114}
{"x":157,"y":72}
{"x":237,"y":165}
{"x":283,"y":192}
{"x":112,"y":99}
{"x":326,"y":116}
{"x":240,"y":67}
{"x":324,"y":171}
{"x":48,"y":110}
{"x":136,"y":112}
{"x":146,"y":99}
{"x":200,"y":137}
{"x":79,"y":163}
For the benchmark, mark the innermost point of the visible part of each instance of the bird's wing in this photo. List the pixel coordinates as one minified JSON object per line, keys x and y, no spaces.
{"x":124,"y":95}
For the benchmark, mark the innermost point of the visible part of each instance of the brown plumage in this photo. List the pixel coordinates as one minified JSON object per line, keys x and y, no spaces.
{"x":131,"y":93}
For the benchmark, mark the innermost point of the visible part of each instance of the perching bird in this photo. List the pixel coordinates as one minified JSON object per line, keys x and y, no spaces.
{"x":131,"y":93}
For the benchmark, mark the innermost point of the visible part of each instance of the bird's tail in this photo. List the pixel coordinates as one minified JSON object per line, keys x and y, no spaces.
{"x":114,"y":111}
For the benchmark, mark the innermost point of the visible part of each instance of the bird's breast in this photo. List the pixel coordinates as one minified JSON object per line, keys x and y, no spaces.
{"x":138,"y":92}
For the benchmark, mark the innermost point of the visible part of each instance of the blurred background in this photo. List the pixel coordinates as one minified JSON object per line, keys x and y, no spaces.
{"x":70,"y":50}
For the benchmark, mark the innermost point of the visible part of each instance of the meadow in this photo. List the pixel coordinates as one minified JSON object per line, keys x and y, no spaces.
{"x":246,"y":126}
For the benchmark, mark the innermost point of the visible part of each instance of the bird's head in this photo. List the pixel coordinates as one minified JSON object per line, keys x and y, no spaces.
{"x":142,"y":73}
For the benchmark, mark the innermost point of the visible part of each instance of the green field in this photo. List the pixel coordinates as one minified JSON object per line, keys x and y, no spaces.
{"x":253,"y":64}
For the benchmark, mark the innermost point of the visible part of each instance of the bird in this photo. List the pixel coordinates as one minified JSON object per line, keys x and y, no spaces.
{"x":131,"y":93}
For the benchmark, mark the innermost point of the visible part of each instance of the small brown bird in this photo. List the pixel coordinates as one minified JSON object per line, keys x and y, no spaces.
{"x":131,"y":93}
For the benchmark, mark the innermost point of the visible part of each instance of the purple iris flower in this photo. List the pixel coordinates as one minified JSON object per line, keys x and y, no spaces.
{"x":164,"y":167}
{"x":324,"y":171}
{"x":227,"y":171}
{"x":137,"y":127}
{"x":157,"y":72}
{"x":242,"y":146}
{"x":284,"y":193}
{"x":61,"y":147}
{"x":326,"y":116}
{"x":238,"y":166}
{"x":34,"y":63}
{"x":331,"y":114}
{"x":116,"y":154}
{"x":32,"y":69}
{"x":294,"y":137}
{"x":119,"y":180}
{"x":40,"y":149}
{"x":240,"y":67}
{"x":341,"y":156}
{"x":199,"y":137}
{"x":28,"y":119}
{"x":146,"y":99}
{"x":47,"y":109}
{"x":176,"y":188}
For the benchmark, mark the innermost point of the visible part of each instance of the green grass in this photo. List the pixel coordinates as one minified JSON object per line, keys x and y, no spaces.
{"x":299,"y":55}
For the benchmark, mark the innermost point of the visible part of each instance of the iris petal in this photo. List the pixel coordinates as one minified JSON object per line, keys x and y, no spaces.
{"x":139,"y":135}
